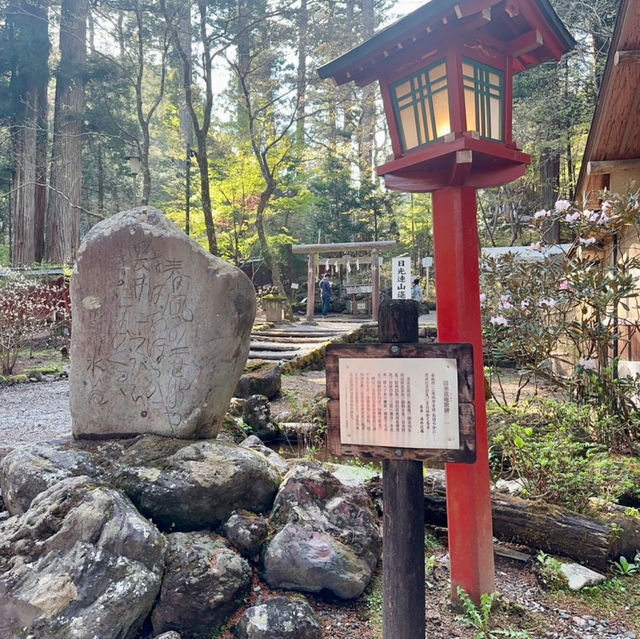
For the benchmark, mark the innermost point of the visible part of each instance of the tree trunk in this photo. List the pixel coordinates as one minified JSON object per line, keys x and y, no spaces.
{"x":366,"y":130}
{"x":271,"y":264}
{"x":550,"y":185}
{"x":303,"y":19}
{"x":144,"y":118}
{"x":203,"y":165}
{"x":63,"y":211}
{"x":200,"y":126}
{"x":23,"y":250}
{"x":41,"y":173}
{"x":28,"y":94}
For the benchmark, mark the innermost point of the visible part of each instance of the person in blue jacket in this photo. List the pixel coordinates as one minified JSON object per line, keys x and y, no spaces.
{"x":325,"y":291}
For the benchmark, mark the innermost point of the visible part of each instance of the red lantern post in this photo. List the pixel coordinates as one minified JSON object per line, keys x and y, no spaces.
{"x":446,"y":78}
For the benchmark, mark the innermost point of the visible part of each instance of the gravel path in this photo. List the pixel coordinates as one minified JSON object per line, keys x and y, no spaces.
{"x":34,"y":412}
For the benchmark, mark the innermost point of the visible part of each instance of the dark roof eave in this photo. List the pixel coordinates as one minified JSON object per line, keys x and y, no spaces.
{"x":603,"y":92}
{"x":390,"y":35}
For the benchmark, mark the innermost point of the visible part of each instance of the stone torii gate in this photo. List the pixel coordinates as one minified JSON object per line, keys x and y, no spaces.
{"x":314,"y":250}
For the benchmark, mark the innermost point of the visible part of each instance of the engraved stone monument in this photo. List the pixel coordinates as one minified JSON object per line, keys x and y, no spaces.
{"x":160,"y":331}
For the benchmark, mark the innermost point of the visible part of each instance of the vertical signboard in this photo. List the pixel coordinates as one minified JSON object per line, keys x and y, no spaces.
{"x":401,"y":276}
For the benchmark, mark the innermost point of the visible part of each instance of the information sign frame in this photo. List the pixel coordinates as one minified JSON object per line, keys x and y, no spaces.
{"x":461,"y":353}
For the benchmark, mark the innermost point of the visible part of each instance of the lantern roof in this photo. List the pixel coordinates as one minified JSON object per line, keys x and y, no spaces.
{"x":529,"y":31}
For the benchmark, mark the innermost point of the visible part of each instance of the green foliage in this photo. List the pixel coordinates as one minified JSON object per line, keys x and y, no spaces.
{"x":478,"y":617}
{"x":550,"y":573}
{"x":625,"y":567}
{"x":374,"y":602}
{"x":431,"y":543}
{"x":544,"y":447}
{"x":619,"y":478}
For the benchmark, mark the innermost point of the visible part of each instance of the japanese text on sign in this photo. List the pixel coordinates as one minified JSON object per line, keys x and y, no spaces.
{"x":403,"y":403}
{"x":401,"y":276}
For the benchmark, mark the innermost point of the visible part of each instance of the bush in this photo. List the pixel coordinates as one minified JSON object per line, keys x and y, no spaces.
{"x":559,"y":319}
{"x":547,"y":450}
{"x":27,"y":307}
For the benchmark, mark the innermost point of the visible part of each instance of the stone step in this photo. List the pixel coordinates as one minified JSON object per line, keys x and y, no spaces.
{"x":273,"y":355}
{"x":297,"y":334}
{"x":287,"y":340}
{"x":272,"y":346}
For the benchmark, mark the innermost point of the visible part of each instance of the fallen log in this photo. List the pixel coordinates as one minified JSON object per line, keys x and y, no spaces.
{"x":550,"y":528}
{"x":555,"y":530}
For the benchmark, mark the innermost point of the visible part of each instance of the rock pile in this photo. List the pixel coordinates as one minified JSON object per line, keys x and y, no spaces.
{"x":149,"y":535}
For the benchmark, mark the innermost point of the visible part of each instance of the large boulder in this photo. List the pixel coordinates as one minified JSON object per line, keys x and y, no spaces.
{"x":203,"y":585}
{"x":301,"y":558}
{"x":80,"y":563}
{"x":256,"y":414}
{"x":160,"y":331}
{"x":328,"y":535}
{"x":279,"y":618}
{"x":255,"y":443}
{"x":247,"y":532}
{"x":263,"y":378}
{"x":180,"y":484}
{"x":187,"y":485}
{"x":29,"y":470}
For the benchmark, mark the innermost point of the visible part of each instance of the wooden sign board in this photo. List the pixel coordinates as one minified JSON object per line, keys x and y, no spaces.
{"x":401,"y":401}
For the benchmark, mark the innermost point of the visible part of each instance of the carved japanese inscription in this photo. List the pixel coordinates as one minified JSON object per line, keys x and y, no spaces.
{"x":160,"y":331}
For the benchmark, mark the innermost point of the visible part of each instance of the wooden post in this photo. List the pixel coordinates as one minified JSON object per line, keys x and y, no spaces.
{"x":311,"y":286}
{"x":375,"y":285}
{"x":455,"y":234}
{"x":403,"y":527}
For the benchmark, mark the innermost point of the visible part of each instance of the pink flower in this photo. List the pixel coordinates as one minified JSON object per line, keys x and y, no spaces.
{"x":586,"y":241}
{"x":605,"y":207}
{"x":603,"y":219}
{"x":524,"y":304}
{"x":540,"y":214}
{"x":499,"y":320}
{"x":592,"y":216}
{"x":572,"y":217}
{"x":562,"y":205}
{"x":536,"y":246}
{"x":549,"y":303}
{"x":565,"y":286}
{"x":504,"y":302}
{"x":587,"y":364}
{"x":483,"y":298}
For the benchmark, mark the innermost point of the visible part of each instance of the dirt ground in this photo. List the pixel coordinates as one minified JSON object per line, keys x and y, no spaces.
{"x":611,"y":611}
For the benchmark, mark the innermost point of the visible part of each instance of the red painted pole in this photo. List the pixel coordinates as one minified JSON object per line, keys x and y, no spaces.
{"x":455,"y":233}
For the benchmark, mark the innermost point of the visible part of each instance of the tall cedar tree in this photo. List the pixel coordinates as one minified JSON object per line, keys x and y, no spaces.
{"x":65,"y":196}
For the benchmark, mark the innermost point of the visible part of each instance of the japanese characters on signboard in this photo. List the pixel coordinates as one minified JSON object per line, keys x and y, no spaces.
{"x":401,"y":278}
{"x":409,"y":401}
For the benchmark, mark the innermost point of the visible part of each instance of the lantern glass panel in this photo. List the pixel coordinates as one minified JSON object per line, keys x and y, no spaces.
{"x":421,"y":103}
{"x":484,"y":99}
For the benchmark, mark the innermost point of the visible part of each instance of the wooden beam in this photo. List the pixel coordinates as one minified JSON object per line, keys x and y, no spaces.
{"x":345,"y":246}
{"x":311,"y":286}
{"x":626,"y":57}
{"x":605,"y":167}
{"x":525,"y":43}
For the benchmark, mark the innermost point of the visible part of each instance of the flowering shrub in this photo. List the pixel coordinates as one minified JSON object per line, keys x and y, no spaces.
{"x":27,"y":307}
{"x":559,"y":317}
